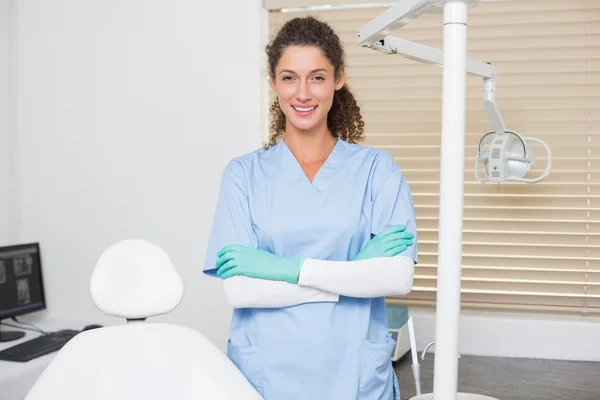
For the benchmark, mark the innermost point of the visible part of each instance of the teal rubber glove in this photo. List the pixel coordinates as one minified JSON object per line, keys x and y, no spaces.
{"x":390,"y":242}
{"x":255,"y":263}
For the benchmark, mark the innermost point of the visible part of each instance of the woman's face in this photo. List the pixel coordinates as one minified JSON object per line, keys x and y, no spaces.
{"x":305,"y":84}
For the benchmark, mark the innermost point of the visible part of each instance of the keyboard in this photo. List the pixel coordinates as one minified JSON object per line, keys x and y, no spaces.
{"x":37,"y":347}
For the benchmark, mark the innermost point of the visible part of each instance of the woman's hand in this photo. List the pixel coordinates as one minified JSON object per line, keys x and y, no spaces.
{"x":255,"y":263}
{"x":390,"y":242}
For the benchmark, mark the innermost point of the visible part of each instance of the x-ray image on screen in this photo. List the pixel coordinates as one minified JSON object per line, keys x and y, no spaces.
{"x":21,"y":286}
{"x":2,"y":272}
{"x":23,"y":266}
{"x":23,"y":291}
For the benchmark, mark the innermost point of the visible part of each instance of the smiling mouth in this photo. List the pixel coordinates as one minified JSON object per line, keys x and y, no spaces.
{"x":304,"y":110}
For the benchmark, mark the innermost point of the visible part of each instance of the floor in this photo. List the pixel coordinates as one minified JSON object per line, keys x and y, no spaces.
{"x":510,"y":378}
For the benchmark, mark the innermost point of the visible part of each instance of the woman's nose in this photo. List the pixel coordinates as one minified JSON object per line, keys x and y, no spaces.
{"x":303,"y":91}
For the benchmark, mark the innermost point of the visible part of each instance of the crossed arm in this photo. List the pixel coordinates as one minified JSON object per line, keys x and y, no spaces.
{"x":256,"y":278}
{"x":324,"y":281}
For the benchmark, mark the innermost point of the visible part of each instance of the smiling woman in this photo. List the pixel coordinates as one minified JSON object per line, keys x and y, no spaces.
{"x":311,"y":233}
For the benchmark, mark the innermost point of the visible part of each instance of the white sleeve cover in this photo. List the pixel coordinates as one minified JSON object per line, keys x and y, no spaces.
{"x":324,"y":281}
{"x":374,"y":277}
{"x":245,"y":292}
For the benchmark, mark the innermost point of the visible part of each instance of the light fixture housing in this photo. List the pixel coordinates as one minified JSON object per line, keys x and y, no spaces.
{"x":507,"y":156}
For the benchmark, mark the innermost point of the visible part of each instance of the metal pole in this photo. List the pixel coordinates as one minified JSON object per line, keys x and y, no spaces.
{"x":451,"y":200}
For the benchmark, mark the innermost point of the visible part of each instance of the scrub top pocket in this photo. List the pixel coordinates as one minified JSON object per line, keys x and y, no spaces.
{"x":247,"y":360}
{"x":377,"y":377}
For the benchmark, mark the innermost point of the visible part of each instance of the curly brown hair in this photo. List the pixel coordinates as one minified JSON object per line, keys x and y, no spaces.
{"x":344,"y":119}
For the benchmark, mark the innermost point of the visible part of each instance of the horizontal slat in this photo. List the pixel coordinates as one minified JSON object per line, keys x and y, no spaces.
{"x":591,"y":152}
{"x":560,"y":214}
{"x":527,"y":68}
{"x":524,"y":251}
{"x":562,"y":139}
{"x":282,"y":4}
{"x":547,"y":276}
{"x":483,"y":8}
{"x":513,"y":286}
{"x":530,"y":288}
{"x":480,"y":127}
{"x":559,"y":164}
{"x":594,"y":278}
{"x":520,"y":6}
{"x":477,"y":113}
{"x":592,"y":290}
{"x":431,"y":90}
{"x":516,"y":104}
{"x":474,"y":91}
{"x":592,"y":303}
{"x":514,"y":299}
{"x":511,"y":93}
{"x":508,"y":188}
{"x":510,"y":261}
{"x":589,"y":309}
{"x":556,"y":176}
{"x":495,"y":222}
{"x":489,"y":34}
{"x":534,"y":239}
{"x":498,"y":200}
{"x":495,"y":57}
{"x":434,"y":151}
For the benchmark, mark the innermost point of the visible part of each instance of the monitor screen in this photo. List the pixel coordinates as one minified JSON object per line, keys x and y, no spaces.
{"x":21,"y":287}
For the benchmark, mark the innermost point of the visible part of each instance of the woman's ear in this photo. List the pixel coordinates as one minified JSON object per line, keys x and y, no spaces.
{"x":341,"y":81}
{"x":272,"y":83}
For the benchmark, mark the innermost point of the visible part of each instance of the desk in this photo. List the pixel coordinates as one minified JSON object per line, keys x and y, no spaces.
{"x":17,"y":378}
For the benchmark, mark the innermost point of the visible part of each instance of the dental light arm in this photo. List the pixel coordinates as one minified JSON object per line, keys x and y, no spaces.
{"x":431,"y":55}
{"x":395,"y":17}
{"x":502,"y":162}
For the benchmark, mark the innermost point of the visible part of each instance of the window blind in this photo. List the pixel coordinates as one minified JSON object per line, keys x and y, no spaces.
{"x":525,"y":246}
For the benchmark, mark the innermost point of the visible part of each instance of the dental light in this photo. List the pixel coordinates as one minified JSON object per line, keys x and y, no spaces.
{"x":376,"y":35}
{"x":506,"y":155}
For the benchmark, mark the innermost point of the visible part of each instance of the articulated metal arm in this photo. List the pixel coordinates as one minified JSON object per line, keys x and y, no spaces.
{"x":376,"y":35}
{"x":397,"y":16}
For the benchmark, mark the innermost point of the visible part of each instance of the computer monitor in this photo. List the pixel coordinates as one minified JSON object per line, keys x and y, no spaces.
{"x":21,"y":286}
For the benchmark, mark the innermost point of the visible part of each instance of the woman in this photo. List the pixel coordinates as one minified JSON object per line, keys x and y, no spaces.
{"x":310,"y":233}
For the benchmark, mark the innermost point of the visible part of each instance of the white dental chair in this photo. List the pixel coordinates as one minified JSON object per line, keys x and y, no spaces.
{"x":135,"y":279}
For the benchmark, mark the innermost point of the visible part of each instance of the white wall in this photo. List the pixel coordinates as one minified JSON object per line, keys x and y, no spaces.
{"x":127,"y":112}
{"x":5,"y":10}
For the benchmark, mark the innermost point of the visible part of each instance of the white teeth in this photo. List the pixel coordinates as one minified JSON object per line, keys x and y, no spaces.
{"x":304,"y":109}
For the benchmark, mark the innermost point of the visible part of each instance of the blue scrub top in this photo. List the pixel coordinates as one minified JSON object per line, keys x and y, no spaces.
{"x":324,"y":350}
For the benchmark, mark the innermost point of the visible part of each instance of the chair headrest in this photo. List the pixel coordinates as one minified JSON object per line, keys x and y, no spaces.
{"x":135,"y":279}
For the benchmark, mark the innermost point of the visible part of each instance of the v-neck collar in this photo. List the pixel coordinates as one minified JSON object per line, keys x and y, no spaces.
{"x":322,"y":179}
